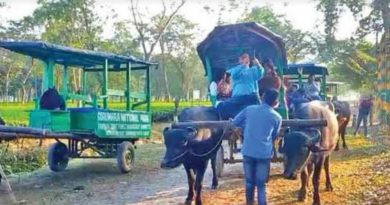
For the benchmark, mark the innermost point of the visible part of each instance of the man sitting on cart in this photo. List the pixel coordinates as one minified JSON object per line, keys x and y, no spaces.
{"x":313,"y":88}
{"x":245,"y":91}
{"x":224,"y":88}
{"x":271,"y":80}
{"x":298,"y":97}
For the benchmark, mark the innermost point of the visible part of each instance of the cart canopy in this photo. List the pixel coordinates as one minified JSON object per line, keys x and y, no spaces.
{"x":223,"y":46}
{"x":307,"y":69}
{"x":72,"y":56}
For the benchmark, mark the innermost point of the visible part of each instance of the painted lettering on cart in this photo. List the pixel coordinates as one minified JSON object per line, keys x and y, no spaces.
{"x":122,"y":117}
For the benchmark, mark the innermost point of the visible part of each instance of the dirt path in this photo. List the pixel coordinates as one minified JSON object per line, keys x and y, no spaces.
{"x":98,"y":182}
{"x":361,"y":175}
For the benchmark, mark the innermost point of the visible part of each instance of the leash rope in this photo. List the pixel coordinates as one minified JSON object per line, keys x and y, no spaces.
{"x":218,"y":144}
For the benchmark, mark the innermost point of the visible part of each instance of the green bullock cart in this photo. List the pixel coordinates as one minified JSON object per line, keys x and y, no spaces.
{"x":110,"y":133}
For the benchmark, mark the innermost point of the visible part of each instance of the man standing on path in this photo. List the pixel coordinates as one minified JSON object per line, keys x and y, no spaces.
{"x":261,"y":125}
{"x":365,"y":107}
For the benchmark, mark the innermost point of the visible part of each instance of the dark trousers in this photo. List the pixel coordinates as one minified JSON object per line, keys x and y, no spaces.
{"x":362,"y":117}
{"x":256,"y":175}
{"x":231,"y":107}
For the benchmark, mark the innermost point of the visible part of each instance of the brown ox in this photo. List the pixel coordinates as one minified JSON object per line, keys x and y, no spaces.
{"x":343,"y":111}
{"x":306,"y":150}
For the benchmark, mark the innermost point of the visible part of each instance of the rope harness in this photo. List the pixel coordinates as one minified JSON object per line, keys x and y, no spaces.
{"x":212,"y":149}
{"x":190,"y":151}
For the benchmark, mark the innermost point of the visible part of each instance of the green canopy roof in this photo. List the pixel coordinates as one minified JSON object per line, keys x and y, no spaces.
{"x":71,"y":56}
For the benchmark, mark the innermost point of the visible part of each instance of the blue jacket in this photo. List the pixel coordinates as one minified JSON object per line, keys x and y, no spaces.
{"x":245,"y":79}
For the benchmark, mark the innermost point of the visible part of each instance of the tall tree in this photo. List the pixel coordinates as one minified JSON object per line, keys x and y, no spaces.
{"x":332,"y":10}
{"x":224,"y":9}
{"x":298,"y":43}
{"x":150,"y":33}
{"x":123,"y":42}
{"x":377,"y":20}
{"x":357,"y":63}
{"x":67,"y":22}
{"x":178,"y":40}
{"x":10,"y":68}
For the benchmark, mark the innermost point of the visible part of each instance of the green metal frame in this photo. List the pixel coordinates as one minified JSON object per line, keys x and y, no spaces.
{"x":95,"y":120}
{"x":116,"y":125}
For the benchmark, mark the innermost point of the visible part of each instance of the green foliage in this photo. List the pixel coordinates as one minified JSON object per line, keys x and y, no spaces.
{"x":122,"y":42}
{"x":182,"y":57}
{"x":332,"y":10}
{"x":21,"y":160}
{"x":357,"y":63}
{"x":353,"y":58}
{"x":268,"y":18}
{"x":68,"y":22}
{"x":298,"y":43}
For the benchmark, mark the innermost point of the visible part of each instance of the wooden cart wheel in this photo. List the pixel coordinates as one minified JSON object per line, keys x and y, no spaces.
{"x":58,"y":157}
{"x":125,"y":156}
{"x":220,"y":162}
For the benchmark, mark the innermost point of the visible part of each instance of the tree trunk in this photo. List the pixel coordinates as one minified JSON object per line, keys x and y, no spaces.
{"x":80,"y":79}
{"x":59,"y":79}
{"x":162,"y":26}
{"x":6,"y":92}
{"x":164,"y":71}
{"x":74,"y":79}
{"x":385,"y":8}
{"x":25,"y":79}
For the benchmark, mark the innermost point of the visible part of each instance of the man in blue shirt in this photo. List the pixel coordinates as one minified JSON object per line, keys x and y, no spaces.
{"x":245,"y":87}
{"x":261,"y":125}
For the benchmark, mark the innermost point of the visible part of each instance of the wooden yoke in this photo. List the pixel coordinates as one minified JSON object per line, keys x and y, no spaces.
{"x":285,"y":123}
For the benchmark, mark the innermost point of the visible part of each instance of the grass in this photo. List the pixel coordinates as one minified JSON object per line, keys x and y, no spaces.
{"x":17,"y":113}
{"x":18,"y":159}
{"x":361,"y":175}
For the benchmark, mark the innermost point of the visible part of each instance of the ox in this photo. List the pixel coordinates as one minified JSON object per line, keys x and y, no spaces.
{"x":343,"y":111}
{"x":308,"y":149}
{"x":193,"y":149}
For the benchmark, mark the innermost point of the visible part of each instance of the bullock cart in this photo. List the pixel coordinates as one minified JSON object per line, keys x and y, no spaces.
{"x":220,"y":51}
{"x":111,"y":133}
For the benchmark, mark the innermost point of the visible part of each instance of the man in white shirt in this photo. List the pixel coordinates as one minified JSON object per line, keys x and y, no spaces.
{"x":313,"y":88}
{"x":213,"y":92}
